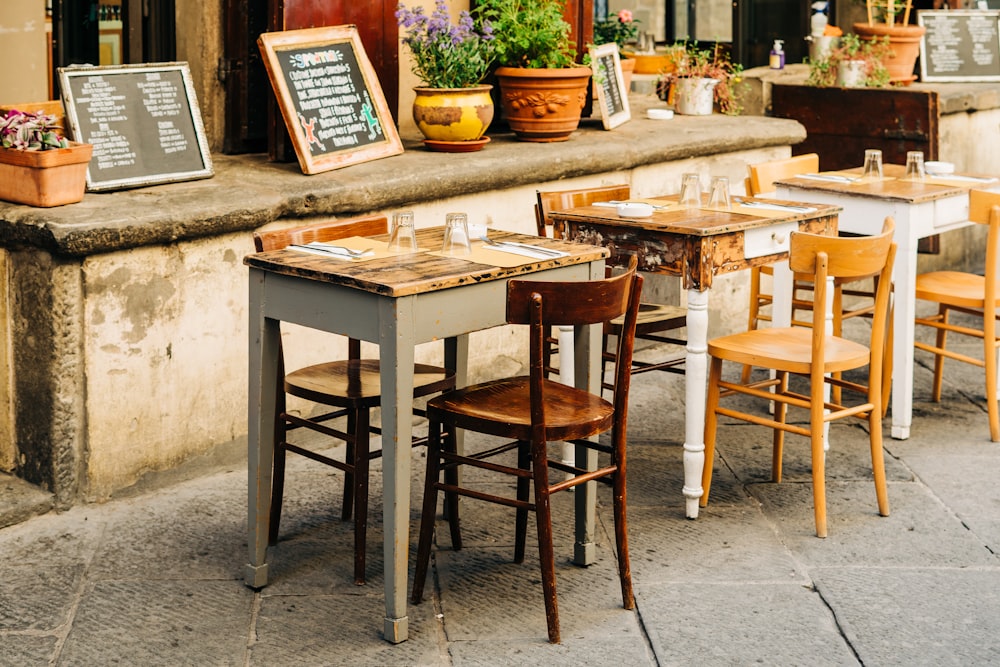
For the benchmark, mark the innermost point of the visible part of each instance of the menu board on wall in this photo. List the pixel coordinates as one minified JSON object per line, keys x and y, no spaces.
{"x":609,"y":84}
{"x":143,"y":121}
{"x":329,"y":96}
{"x":960,"y":45}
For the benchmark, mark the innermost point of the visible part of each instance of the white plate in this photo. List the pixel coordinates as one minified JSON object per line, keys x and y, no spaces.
{"x":634,"y":210}
{"x":936,"y":168}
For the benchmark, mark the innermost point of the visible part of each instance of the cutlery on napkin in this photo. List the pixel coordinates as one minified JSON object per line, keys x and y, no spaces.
{"x":774,"y":207}
{"x":328,"y":250}
{"x":829,"y":177}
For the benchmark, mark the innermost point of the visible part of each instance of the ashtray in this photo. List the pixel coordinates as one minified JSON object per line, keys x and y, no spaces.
{"x":936,"y":168}
{"x":634,"y":210}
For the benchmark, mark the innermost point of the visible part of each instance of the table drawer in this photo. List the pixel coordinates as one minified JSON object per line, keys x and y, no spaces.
{"x":770,"y":240}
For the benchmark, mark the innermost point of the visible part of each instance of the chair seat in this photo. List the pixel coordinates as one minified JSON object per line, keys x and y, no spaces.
{"x":503,"y":407}
{"x":953,"y":288}
{"x":787,"y":349}
{"x":653,"y":317}
{"x":356,"y":382}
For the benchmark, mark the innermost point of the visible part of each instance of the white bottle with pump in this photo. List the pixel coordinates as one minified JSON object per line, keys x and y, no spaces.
{"x":777,"y":59}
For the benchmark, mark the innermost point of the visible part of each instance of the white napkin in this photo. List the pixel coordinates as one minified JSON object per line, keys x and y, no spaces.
{"x":527,"y":251}
{"x":322,"y":253}
{"x":795,"y":208}
{"x":828,"y":177}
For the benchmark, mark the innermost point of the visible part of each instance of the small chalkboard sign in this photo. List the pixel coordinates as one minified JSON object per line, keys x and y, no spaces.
{"x":612,"y":96}
{"x":960,"y":45}
{"x":143,"y":121}
{"x":329,"y":96}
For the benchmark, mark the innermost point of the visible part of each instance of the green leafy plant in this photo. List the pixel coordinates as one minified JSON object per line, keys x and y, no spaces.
{"x":26,"y":131}
{"x":714,"y":63}
{"x":529,"y":33}
{"x":446,"y":55}
{"x":620,"y":30}
{"x":823,"y":71}
{"x":889,"y":12}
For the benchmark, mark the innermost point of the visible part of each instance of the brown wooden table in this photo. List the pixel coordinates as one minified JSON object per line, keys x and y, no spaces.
{"x":397,"y":302}
{"x":697,"y":244}
{"x":921,"y":209}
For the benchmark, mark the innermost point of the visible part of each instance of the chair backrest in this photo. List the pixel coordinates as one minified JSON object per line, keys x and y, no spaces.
{"x":848,"y":257}
{"x":763,"y":175}
{"x":542,"y":305}
{"x":563,"y":199}
{"x":984,"y":208}
{"x":330,"y":230}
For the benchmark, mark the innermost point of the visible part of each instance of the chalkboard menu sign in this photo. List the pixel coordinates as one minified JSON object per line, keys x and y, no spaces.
{"x":612,"y":96}
{"x":960,"y":45}
{"x":329,"y":96}
{"x":143,"y":121}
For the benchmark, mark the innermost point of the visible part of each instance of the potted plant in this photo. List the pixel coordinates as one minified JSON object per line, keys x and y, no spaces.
{"x":701,"y":79}
{"x":38,"y":166}
{"x":542,"y":90}
{"x":622,"y":29}
{"x":853,"y":63}
{"x":453,"y":109}
{"x":890,"y":19}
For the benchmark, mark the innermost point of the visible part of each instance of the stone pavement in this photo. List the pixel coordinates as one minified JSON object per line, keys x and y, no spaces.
{"x":156,"y":579}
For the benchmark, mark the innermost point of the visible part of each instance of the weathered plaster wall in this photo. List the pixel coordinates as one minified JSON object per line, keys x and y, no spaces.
{"x":200,"y":44}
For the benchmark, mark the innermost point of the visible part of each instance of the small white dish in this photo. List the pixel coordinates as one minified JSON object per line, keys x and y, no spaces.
{"x":634,"y":210}
{"x":936,"y":168}
{"x":659,"y":114}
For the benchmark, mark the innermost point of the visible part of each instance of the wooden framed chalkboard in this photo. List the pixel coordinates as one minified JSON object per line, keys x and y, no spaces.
{"x":960,"y":45}
{"x":612,"y":96}
{"x":329,"y":96}
{"x":143,"y":121}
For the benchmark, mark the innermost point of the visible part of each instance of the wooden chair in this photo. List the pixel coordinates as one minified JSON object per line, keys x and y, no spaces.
{"x":654,"y":319}
{"x":972,"y":294}
{"x":533,"y":411}
{"x":814,"y":354}
{"x":351,"y":386}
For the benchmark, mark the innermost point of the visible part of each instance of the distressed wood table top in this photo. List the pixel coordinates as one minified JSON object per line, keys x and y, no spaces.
{"x":415,"y":273}
{"x":894,"y":187}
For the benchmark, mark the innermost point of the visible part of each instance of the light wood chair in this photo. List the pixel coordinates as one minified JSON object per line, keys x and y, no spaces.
{"x":972,"y":294}
{"x":654,"y":319}
{"x":534,"y":411}
{"x":814,"y":354}
{"x":352,"y":386}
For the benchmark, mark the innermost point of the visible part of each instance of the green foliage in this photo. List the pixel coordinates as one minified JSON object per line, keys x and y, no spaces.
{"x":620,"y":30}
{"x":27,"y":131}
{"x":823,"y":71}
{"x":529,"y":33}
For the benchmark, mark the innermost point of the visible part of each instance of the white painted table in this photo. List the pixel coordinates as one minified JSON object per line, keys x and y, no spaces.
{"x":696,"y":244}
{"x":920,"y":209}
{"x":396,"y":302}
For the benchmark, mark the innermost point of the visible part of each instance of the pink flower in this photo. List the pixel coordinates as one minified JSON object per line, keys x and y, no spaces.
{"x":625,"y":16}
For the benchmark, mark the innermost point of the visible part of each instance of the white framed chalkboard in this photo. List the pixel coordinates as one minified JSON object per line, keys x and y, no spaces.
{"x":329,"y":96}
{"x":143,"y":121}
{"x":612,"y":96}
{"x":960,"y":45}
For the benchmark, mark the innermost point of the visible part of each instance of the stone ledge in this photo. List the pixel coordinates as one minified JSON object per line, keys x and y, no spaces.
{"x":247,"y":191}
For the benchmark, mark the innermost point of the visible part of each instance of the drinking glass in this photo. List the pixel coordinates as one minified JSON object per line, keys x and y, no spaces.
{"x":690,"y":190}
{"x":456,"y":234}
{"x":720,"y":193}
{"x":915,"y":165}
{"x":403,"y":237}
{"x":873,"y":163}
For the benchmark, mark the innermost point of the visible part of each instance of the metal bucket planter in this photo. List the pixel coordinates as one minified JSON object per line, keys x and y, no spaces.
{"x":695,"y":96}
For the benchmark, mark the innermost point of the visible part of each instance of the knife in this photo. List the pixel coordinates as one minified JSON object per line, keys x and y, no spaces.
{"x":533,"y":248}
{"x":333,"y":251}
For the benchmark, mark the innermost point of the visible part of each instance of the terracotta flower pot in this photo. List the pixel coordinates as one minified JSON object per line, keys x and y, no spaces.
{"x":45,"y":178}
{"x":453,"y":114}
{"x":905,"y":43}
{"x":543,"y":105}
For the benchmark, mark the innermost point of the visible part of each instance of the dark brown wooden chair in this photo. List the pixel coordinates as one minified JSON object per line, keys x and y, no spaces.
{"x":654,"y":318}
{"x":815,"y":355}
{"x":534,"y":411}
{"x":352,"y":386}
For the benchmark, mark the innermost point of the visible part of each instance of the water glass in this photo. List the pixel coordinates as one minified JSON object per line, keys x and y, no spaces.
{"x":456,"y":234}
{"x":720,"y":193}
{"x":873,"y":163}
{"x":915,"y":165}
{"x":403,"y":237}
{"x":690,"y":190}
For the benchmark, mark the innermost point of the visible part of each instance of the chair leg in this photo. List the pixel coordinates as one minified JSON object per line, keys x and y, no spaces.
{"x":778,"y":437}
{"x":277,"y":487}
{"x":942,"y":337}
{"x":451,"y":499}
{"x":711,"y":427}
{"x":878,"y":462}
{"x":752,"y":316}
{"x":836,"y":393}
{"x":990,"y":366}
{"x":546,"y":550}
{"x":887,"y":363}
{"x":524,"y":495}
{"x":349,"y":479}
{"x":621,"y":522}
{"x":360,"y":493}
{"x":818,"y":454}
{"x":429,"y":510}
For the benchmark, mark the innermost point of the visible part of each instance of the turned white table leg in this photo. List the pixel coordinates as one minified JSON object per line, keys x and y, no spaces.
{"x":695,"y":377}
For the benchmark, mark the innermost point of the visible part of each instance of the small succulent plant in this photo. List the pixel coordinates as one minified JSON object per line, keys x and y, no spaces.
{"x":26,"y":131}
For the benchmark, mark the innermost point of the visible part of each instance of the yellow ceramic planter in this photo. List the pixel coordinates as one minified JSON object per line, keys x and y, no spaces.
{"x":453,"y":114}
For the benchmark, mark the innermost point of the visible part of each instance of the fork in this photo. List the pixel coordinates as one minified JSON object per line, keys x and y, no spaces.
{"x":335,"y":248}
{"x":534,"y":248}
